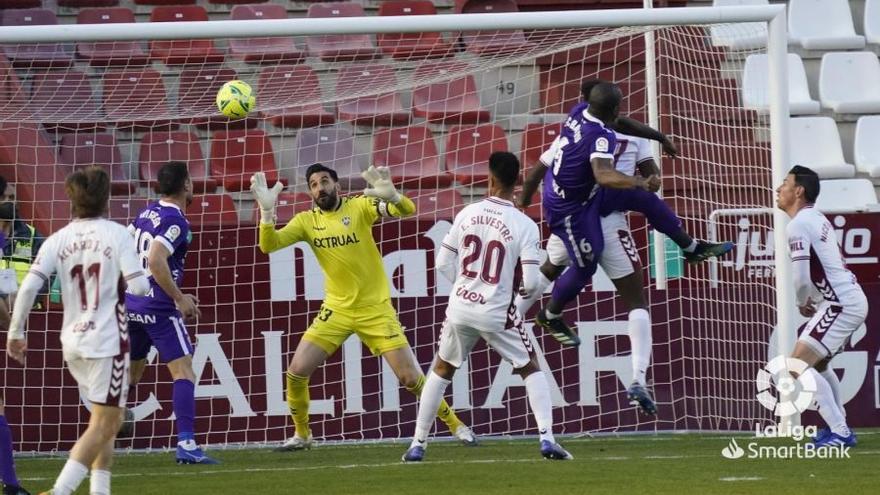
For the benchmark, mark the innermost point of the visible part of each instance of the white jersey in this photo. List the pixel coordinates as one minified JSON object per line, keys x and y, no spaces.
{"x":488,"y":237}
{"x":811,"y":238}
{"x":91,"y":256}
{"x":628,"y":154}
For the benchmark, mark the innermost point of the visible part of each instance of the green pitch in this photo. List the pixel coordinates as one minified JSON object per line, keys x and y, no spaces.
{"x":660,"y":464}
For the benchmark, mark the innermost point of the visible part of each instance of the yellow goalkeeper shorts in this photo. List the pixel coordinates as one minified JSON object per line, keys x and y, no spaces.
{"x":376,"y":326}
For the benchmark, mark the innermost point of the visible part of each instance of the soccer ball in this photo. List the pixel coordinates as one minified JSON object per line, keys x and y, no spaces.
{"x":235,"y":99}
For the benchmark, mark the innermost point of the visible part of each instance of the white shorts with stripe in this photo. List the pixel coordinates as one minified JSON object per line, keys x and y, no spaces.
{"x":457,"y":341}
{"x":831,"y":327}
{"x":618,"y":259}
{"x":101,"y":381}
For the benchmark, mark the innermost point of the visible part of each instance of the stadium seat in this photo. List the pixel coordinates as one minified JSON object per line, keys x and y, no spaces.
{"x":436,"y":204}
{"x":335,"y":148}
{"x":815,"y":143}
{"x":375,"y":110}
{"x":755,"y":84}
{"x":822,"y":25}
{"x":846,"y":196}
{"x":124,"y":210}
{"x":236,"y":155}
{"x":90,"y":148}
{"x":30,"y":55}
{"x":339,"y":47}
{"x":867,"y":153}
{"x":872,"y":21}
{"x":536,"y":138}
{"x":165,"y":2}
{"x":64,"y":101}
{"x":411,"y":154}
{"x":468,"y":149}
{"x":136,"y":99}
{"x":493,"y":42}
{"x":158,"y":148}
{"x":106,"y":53}
{"x":273,"y":50}
{"x":741,"y":35}
{"x":20,"y":4}
{"x":212,"y":211}
{"x":197,"y":95}
{"x":180,"y":52}
{"x":282,"y":88}
{"x":11,"y":89}
{"x":409,"y":46}
{"x":849,"y":82}
{"x":455,"y":101}
{"x":225,"y":2}
{"x":560,"y":86}
{"x":87,"y":3}
{"x":288,"y":205}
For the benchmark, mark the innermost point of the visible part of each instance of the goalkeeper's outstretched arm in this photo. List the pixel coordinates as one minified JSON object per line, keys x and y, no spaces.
{"x":271,"y":239}
{"x":381,"y":187}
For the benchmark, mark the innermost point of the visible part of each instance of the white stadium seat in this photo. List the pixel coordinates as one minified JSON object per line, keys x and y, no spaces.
{"x":741,"y":36}
{"x":755,"y":82}
{"x":867,"y":151}
{"x":846,"y":195}
{"x":872,"y":21}
{"x":822,"y":25}
{"x":849,"y":82}
{"x":815,"y":143}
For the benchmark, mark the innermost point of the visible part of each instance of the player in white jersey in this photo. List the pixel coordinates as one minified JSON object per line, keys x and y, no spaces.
{"x":826,"y":291}
{"x":479,"y":255}
{"x":619,"y":260}
{"x":91,"y":255}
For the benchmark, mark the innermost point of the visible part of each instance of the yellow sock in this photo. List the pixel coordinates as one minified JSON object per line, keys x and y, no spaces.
{"x":444,"y":412}
{"x":298,"y":402}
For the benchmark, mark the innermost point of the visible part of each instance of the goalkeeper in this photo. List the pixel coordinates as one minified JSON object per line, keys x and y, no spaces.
{"x":357,"y":299}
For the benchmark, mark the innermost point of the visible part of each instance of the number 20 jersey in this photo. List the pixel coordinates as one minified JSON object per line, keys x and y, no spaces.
{"x":165,"y":223}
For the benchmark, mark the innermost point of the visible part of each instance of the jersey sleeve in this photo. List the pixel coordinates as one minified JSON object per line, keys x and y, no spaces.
{"x":550,"y":152}
{"x":273,"y":240}
{"x":603,"y":146}
{"x":530,"y":248}
{"x":643,"y":150}
{"x":798,"y":241}
{"x":172,"y":232}
{"x":129,"y":261}
{"x":46,"y":262}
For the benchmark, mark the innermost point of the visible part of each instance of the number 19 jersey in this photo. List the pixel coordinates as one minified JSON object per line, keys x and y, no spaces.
{"x":488,"y":238}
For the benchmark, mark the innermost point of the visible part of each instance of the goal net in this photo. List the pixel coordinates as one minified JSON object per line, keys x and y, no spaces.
{"x":432,"y":107}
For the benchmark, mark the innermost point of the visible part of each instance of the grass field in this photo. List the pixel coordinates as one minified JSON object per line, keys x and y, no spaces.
{"x":680,"y":464}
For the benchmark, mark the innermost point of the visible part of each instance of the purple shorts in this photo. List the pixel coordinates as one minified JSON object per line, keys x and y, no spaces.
{"x":581,"y":233}
{"x":164,"y":331}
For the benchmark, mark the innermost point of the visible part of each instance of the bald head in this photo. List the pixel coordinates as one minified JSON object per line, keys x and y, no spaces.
{"x":604,"y":100}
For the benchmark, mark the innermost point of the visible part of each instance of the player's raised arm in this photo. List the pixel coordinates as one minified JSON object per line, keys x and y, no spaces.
{"x":271,"y":239}
{"x":381,"y":187}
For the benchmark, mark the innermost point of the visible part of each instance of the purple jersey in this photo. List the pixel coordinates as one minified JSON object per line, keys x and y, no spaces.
{"x":159,"y":222}
{"x":569,"y":182}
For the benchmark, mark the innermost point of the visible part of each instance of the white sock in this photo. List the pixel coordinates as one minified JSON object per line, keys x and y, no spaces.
{"x":100,"y":482}
{"x":71,"y":476}
{"x":828,"y":409}
{"x":640,"y":339}
{"x":691,"y":248}
{"x":523,"y":304}
{"x":542,"y":407}
{"x":831,"y":377}
{"x":551,"y":315}
{"x":429,"y":401}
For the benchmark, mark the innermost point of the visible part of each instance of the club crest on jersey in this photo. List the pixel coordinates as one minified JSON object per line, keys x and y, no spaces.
{"x":602,"y":145}
{"x":346,"y":221}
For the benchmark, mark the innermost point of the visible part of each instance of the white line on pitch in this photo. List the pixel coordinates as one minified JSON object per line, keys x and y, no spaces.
{"x":741,"y":478}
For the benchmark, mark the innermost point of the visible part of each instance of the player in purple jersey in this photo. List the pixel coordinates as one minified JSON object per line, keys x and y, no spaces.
{"x":582,"y":185}
{"x":162,"y":235}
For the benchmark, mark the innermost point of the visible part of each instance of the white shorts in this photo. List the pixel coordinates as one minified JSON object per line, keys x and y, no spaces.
{"x":831,"y":327}
{"x":619,"y":257}
{"x":457,"y":341}
{"x":102,"y":381}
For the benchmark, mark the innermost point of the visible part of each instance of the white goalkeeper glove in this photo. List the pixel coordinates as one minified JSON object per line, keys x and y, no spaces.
{"x":265,"y":197}
{"x":379,"y":179}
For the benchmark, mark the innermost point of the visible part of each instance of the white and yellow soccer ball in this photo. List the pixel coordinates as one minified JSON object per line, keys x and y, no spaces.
{"x":236,"y":99}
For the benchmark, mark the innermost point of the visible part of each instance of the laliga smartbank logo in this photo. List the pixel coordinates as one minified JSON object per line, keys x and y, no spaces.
{"x":785,"y":395}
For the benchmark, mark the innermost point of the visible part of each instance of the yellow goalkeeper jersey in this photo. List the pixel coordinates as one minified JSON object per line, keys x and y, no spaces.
{"x":343,"y":243}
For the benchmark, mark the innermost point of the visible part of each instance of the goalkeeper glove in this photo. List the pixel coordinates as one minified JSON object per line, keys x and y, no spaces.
{"x":265,"y":197}
{"x":379,"y":179}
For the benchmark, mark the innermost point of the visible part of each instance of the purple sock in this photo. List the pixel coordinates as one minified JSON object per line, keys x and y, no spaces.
{"x":184,"y":396}
{"x":7,"y":463}
{"x":571,"y":283}
{"x":658,"y":213}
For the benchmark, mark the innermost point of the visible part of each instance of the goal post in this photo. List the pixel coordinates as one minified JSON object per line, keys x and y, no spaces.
{"x":430,"y":106}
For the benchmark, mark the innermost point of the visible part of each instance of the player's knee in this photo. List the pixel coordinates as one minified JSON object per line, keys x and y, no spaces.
{"x":551,"y":271}
{"x":443,"y":369}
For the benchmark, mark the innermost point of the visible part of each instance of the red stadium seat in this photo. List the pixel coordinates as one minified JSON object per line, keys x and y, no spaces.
{"x":339,"y":47}
{"x":561,"y":85}
{"x":11,"y":89}
{"x":159,"y":148}
{"x":411,"y":154}
{"x":493,"y":42}
{"x":433,"y":205}
{"x":29,"y":55}
{"x":468,"y":149}
{"x":124,"y":210}
{"x":226,"y":2}
{"x":273,"y":50}
{"x":536,"y":138}
{"x":455,"y":101}
{"x":136,"y":99}
{"x":212,"y":211}
{"x":288,"y":205}
{"x":110,"y":52}
{"x":58,"y":98}
{"x":179,"y":52}
{"x":282,"y":87}
{"x":236,"y":155}
{"x":165,"y":2}
{"x":87,"y":3}
{"x":197,"y":94}
{"x":90,"y":148}
{"x":335,"y":148}
{"x":410,"y":46}
{"x":20,"y":4}
{"x":378,"y":110}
